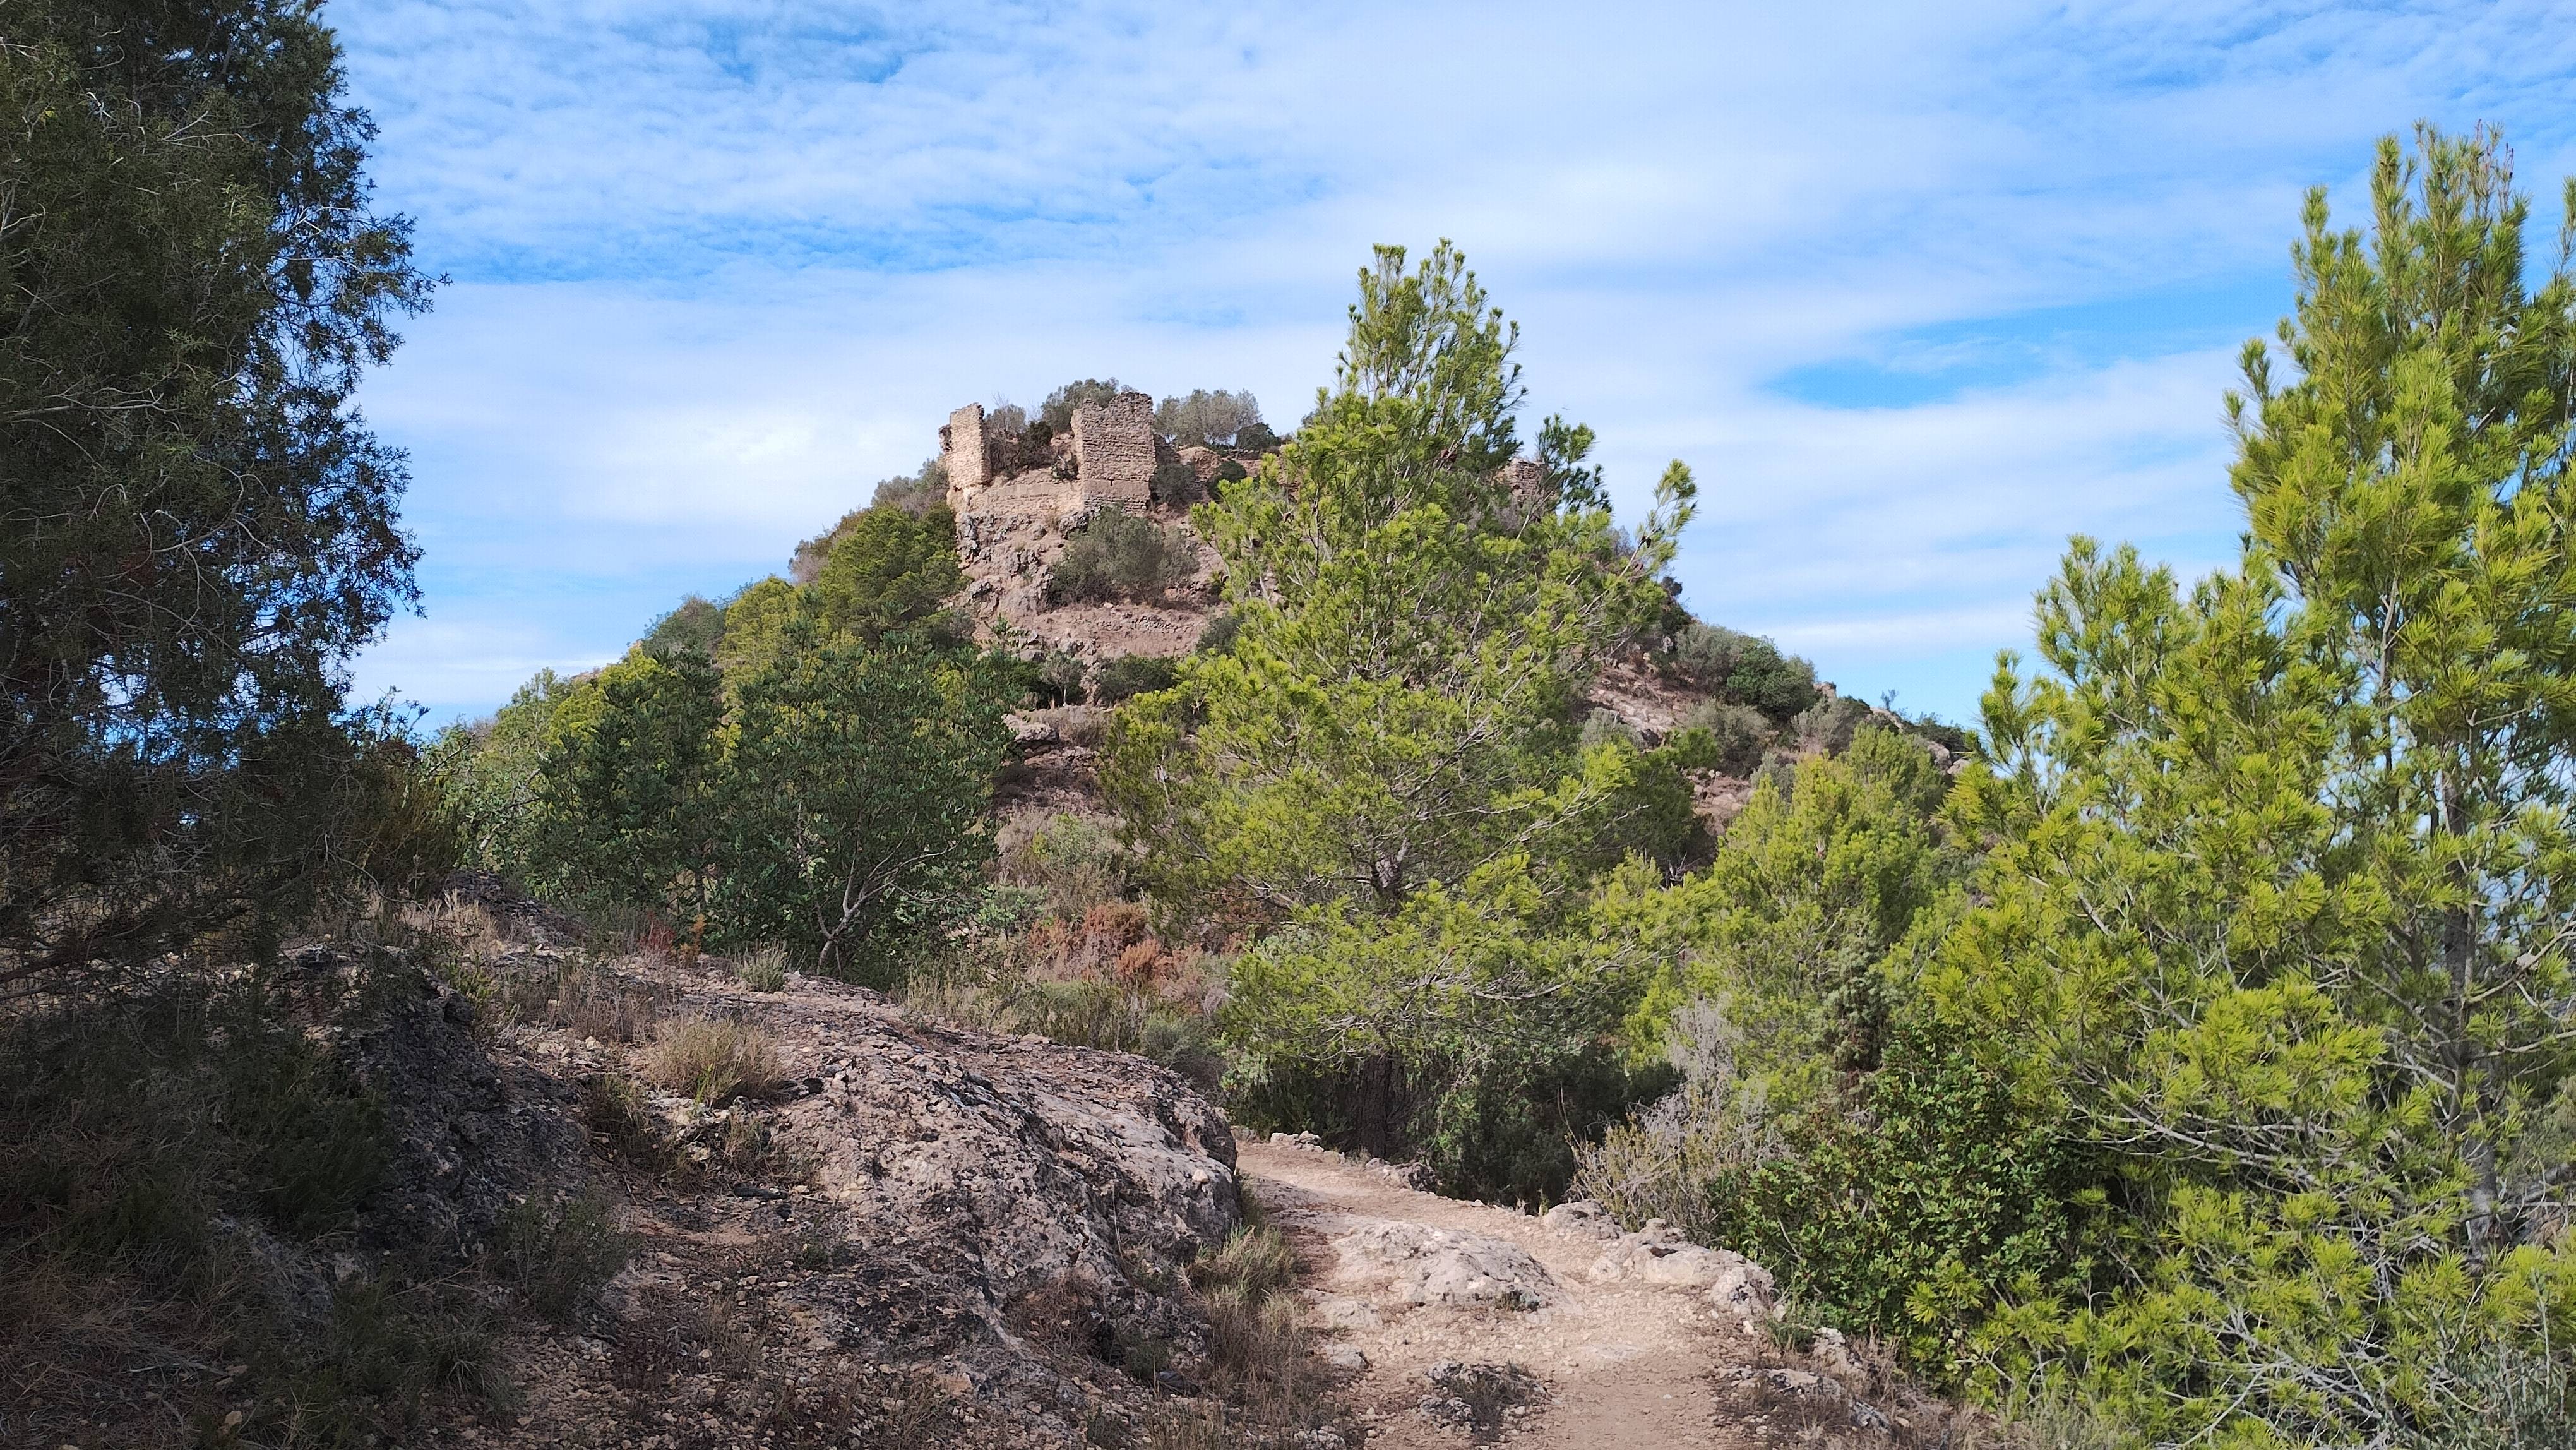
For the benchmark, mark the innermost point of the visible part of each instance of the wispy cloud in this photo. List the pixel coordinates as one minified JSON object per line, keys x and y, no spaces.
{"x":1919,"y":290}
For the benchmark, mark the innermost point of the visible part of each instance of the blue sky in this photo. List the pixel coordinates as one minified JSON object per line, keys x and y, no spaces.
{"x":1918,"y":291}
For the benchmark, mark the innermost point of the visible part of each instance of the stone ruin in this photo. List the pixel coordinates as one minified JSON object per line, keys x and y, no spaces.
{"x":1114,"y":455}
{"x":1113,"y":450}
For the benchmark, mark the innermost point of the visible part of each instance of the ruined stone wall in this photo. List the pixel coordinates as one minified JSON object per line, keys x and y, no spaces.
{"x":961,"y":446}
{"x":1113,"y":450}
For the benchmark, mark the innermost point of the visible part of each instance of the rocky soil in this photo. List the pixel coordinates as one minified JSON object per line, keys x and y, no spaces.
{"x":1463,"y":1323}
{"x":916,"y":1236}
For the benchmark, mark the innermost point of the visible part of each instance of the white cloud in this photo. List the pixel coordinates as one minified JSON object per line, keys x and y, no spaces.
{"x":723,"y":264}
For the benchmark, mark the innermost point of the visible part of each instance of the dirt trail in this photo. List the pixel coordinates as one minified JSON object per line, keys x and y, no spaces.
{"x":1624,"y":1364}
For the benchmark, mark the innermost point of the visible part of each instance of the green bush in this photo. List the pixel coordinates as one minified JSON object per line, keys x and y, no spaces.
{"x":1738,"y":735}
{"x":1131,"y":675}
{"x":1830,"y":724}
{"x":1175,"y":485}
{"x":696,"y":625}
{"x":1921,"y":1183}
{"x":1207,"y":418}
{"x":1742,"y":669}
{"x":1075,"y":862}
{"x":1117,"y":556}
{"x":1218,"y":635}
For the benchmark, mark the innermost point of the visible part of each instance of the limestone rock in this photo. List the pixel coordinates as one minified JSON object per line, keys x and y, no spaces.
{"x":1581,"y":1218}
{"x":1441,"y":1266}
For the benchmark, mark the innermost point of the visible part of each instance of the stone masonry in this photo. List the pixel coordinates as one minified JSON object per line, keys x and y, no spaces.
{"x":1113,"y":447}
{"x":961,"y":446}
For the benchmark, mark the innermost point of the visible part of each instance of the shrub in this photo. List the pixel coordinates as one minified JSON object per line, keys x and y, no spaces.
{"x":1176,"y":484}
{"x":559,"y":1254}
{"x":713,"y":1059}
{"x":1057,"y":411}
{"x":1076,"y":861}
{"x":1227,"y":472}
{"x":1218,"y":635}
{"x":696,"y":625}
{"x":1258,"y":437}
{"x":1742,"y":669}
{"x":857,"y":789}
{"x":176,"y":1162}
{"x":1117,"y":556}
{"x":1131,"y":675}
{"x":1830,"y":724}
{"x":1921,"y":1183}
{"x":1738,"y":735}
{"x":889,"y":569}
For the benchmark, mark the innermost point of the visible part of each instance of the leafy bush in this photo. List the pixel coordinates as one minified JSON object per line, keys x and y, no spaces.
{"x":697,"y":625}
{"x":1131,"y":675}
{"x":1923,"y":1183}
{"x":1738,"y":735}
{"x":627,"y":787}
{"x":1117,"y":556}
{"x":855,"y":795}
{"x":1177,"y":485}
{"x":1743,"y":669}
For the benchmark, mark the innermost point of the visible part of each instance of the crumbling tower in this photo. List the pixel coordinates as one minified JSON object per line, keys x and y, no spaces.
{"x":961,"y":447}
{"x":1113,"y":451}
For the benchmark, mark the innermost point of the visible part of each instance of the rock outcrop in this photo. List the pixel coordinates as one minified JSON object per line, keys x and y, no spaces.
{"x":1443,"y":1266}
{"x":913,"y":1234}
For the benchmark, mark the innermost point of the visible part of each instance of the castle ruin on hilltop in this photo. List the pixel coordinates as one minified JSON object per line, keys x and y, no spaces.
{"x":1114,"y":454}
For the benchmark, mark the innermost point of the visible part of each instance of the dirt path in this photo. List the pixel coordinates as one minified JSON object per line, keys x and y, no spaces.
{"x":1624,"y":1364}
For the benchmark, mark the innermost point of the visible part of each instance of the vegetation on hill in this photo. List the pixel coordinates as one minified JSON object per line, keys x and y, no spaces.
{"x":2203,"y":1063}
{"x":2183,"y":1057}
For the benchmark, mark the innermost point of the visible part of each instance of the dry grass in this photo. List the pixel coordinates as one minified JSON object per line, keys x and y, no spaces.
{"x":712,"y":1059}
{"x":763,"y":968}
{"x":1084,"y":725}
{"x":580,"y":995}
{"x":1262,"y":1342}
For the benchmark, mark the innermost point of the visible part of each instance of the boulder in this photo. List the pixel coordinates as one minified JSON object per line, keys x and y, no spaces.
{"x":1441,"y":1266}
{"x":1581,"y":1218}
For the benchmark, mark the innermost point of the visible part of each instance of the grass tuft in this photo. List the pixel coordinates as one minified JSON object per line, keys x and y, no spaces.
{"x":712,"y":1059}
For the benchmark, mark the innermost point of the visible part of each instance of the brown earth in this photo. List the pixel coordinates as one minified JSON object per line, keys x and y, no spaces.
{"x":1617,"y":1365}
